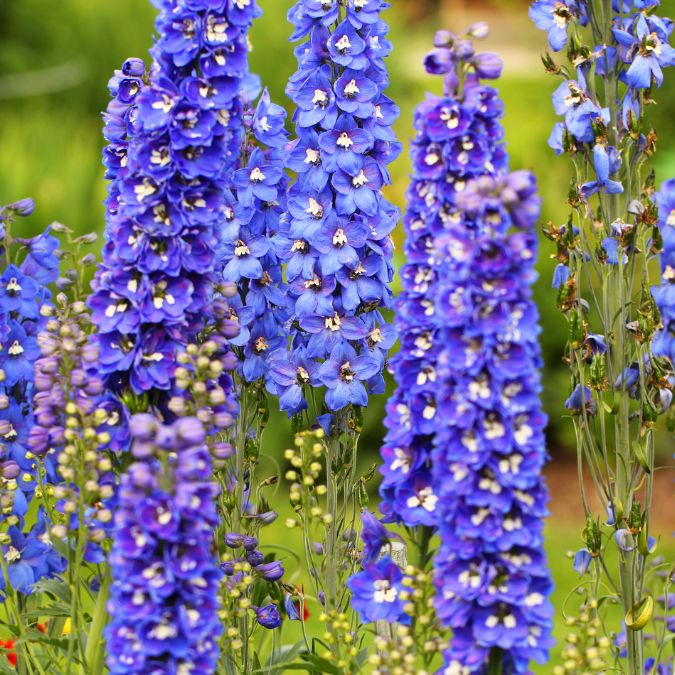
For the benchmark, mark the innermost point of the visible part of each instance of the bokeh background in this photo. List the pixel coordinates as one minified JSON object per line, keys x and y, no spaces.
{"x":55,"y":61}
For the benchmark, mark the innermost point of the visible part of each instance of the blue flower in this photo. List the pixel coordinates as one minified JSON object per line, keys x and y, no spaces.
{"x":647,"y":51}
{"x":19,"y":293}
{"x":291,"y":376}
{"x":337,"y":241}
{"x":555,"y":17}
{"x":343,"y":373}
{"x":174,"y":135}
{"x":30,"y":558}
{"x":560,"y":275}
{"x":582,"y":561}
{"x":18,"y":352}
{"x":607,"y":163}
{"x":580,"y":111}
{"x":581,"y":400}
{"x":376,"y":592}
{"x":374,"y":536}
{"x":664,"y":294}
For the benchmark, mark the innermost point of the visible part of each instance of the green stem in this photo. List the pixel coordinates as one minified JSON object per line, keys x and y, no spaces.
{"x":94,"y":653}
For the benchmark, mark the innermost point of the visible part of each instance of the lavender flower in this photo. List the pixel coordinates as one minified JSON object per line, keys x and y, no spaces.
{"x":174,"y":136}
{"x":336,"y":240}
{"x":79,"y":427}
{"x":163,"y":600}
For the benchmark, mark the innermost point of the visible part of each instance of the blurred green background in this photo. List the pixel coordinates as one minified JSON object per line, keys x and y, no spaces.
{"x":56,"y":58}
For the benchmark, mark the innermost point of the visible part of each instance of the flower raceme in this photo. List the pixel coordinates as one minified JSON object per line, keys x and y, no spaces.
{"x":174,"y":136}
{"x":163,"y":600}
{"x":492,"y":578}
{"x":248,"y":256}
{"x":458,"y":138}
{"x":336,"y":241}
{"x":465,"y":444}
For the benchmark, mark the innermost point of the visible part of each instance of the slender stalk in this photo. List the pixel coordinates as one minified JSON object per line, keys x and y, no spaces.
{"x":94,"y":654}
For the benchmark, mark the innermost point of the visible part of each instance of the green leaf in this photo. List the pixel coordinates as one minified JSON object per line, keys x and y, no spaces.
{"x":34,"y":635}
{"x":55,"y":587}
{"x":54,"y":610}
{"x":641,"y":458}
{"x":5,"y":668}
{"x":286,"y":654}
{"x":322,"y":664}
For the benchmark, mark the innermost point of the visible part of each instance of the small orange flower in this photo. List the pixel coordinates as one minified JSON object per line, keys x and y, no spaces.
{"x":7,"y":648}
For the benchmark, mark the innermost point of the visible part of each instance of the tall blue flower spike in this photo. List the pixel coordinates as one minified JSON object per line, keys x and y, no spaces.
{"x":174,"y":137}
{"x":458,"y":139}
{"x":163,"y":600}
{"x":24,"y":296}
{"x":336,"y":241}
{"x":465,"y":446}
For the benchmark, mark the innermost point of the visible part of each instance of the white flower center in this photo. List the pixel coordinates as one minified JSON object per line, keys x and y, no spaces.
{"x":241,"y":249}
{"x":312,"y":156}
{"x":145,"y":189}
{"x":343,"y":44}
{"x":257,"y":175}
{"x":340,"y":238}
{"x":360,"y":180}
{"x":12,"y":554}
{"x":352,"y":88}
{"x":314,"y":209}
{"x":320,"y":97}
{"x":384,"y":592}
{"x":401,"y":462}
{"x":15,"y":349}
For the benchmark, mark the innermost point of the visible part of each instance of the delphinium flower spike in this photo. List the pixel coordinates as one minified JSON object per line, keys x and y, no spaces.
{"x":620,"y":382}
{"x":491,"y":573}
{"x":248,"y":257}
{"x":163,"y":604}
{"x":336,"y":241}
{"x":174,"y":137}
{"x":337,"y":245}
{"x":458,"y":138}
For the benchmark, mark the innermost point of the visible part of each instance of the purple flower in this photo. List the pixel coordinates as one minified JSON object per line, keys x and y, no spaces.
{"x":268,"y":616}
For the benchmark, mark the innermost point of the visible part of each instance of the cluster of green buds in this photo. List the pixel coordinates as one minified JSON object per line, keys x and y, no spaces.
{"x":235,"y":601}
{"x":395,"y":654}
{"x":340,"y":638}
{"x":306,"y":492}
{"x":587,"y":650}
{"x":204,"y":384}
{"x":429,"y":637}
